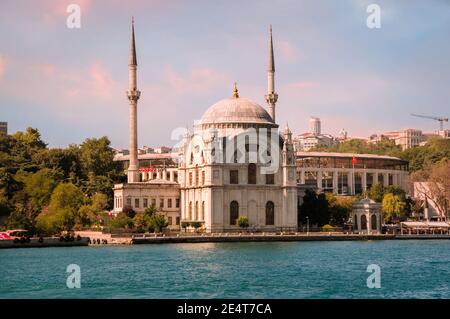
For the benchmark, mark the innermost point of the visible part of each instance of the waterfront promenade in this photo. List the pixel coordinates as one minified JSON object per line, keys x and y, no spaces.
{"x":138,"y":239}
{"x":99,"y":238}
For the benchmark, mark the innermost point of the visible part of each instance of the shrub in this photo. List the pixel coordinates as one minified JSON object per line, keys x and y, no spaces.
{"x":242,"y":221}
{"x":327,"y":228}
{"x":121,"y":221}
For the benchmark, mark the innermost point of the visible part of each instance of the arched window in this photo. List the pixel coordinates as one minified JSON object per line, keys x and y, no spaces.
{"x":363,"y":222}
{"x":355,"y":221}
{"x":191,"y":161}
{"x":196,"y":211}
{"x":270,"y":213}
{"x":374,"y":222}
{"x":252,"y":173}
{"x":234,"y":212}
{"x":203,"y":211}
{"x":189,"y":216}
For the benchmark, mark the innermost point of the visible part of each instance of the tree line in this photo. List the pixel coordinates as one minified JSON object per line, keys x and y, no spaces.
{"x":51,"y":189}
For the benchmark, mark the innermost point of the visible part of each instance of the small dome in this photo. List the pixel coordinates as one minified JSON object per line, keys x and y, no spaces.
{"x":236,"y":110}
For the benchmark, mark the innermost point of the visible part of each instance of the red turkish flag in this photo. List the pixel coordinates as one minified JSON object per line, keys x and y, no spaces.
{"x":354,"y":160}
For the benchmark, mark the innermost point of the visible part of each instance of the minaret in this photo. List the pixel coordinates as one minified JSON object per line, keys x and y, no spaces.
{"x":271,"y":96}
{"x":133,"y":97}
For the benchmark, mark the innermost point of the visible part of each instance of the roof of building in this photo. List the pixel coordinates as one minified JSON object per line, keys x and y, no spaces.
{"x":236,"y":110}
{"x":366,"y":203}
{"x":149,"y":156}
{"x":346,"y":155}
{"x":425,"y":224}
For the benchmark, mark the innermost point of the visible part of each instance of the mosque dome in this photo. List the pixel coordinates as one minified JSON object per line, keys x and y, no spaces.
{"x":236,"y":110}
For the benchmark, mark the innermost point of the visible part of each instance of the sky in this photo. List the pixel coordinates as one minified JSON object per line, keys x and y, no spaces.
{"x":71,"y":83}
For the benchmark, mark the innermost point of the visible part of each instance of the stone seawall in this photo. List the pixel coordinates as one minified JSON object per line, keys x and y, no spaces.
{"x":46,"y":242}
{"x":256,"y":238}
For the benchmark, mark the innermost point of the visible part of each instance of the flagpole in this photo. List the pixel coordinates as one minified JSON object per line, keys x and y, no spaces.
{"x":353,"y":175}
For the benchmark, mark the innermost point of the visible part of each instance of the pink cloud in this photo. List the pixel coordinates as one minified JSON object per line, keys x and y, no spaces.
{"x":44,"y":69}
{"x":198,"y":79}
{"x":288,"y":52}
{"x":101,"y":80}
{"x":55,"y":9}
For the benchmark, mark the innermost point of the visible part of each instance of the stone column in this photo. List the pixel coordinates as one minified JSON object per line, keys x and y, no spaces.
{"x":335,"y":182}
{"x":385,"y":179}
{"x":395,"y":179}
{"x":302,"y":176}
{"x":364,"y":181}
{"x":350,"y":183}
{"x":319,"y":179}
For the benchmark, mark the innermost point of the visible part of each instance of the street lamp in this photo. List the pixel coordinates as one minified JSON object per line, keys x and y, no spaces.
{"x":307,"y":225}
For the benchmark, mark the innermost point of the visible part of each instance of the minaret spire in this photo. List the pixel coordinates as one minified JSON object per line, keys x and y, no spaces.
{"x":271,"y":96}
{"x":133,"y":96}
{"x":133,"y":60}
{"x":271,"y":66}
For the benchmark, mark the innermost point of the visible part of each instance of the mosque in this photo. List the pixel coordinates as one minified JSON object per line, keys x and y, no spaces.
{"x":235,"y":162}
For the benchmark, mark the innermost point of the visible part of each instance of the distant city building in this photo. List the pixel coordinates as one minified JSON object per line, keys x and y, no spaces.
{"x":444,"y":133}
{"x":163,"y":149}
{"x":145,"y":150}
{"x":4,"y":128}
{"x":406,"y":138}
{"x":343,"y":135}
{"x":314,"y":126}
{"x":309,"y":140}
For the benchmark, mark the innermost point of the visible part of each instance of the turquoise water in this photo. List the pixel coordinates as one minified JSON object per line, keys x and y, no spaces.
{"x":409,"y":269}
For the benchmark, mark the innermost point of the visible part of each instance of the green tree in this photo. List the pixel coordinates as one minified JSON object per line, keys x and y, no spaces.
{"x":376,"y":192}
{"x":66,"y":161}
{"x":434,"y":151}
{"x":393,"y":208}
{"x":62,"y":214}
{"x":39,"y":186}
{"x":92,"y":214}
{"x":360,"y":146}
{"x":97,"y":156}
{"x":340,"y":208}
{"x":159,"y":222}
{"x":143,"y":222}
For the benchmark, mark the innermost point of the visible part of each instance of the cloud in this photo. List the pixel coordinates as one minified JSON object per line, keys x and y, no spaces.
{"x":197,"y":80}
{"x":56,"y":9}
{"x":287,"y":50}
{"x":101,"y":81}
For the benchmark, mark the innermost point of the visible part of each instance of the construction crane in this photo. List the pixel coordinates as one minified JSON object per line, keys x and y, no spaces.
{"x":436,"y":118}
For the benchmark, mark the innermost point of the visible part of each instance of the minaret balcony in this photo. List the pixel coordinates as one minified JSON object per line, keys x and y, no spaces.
{"x":271,"y":98}
{"x":133,"y":95}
